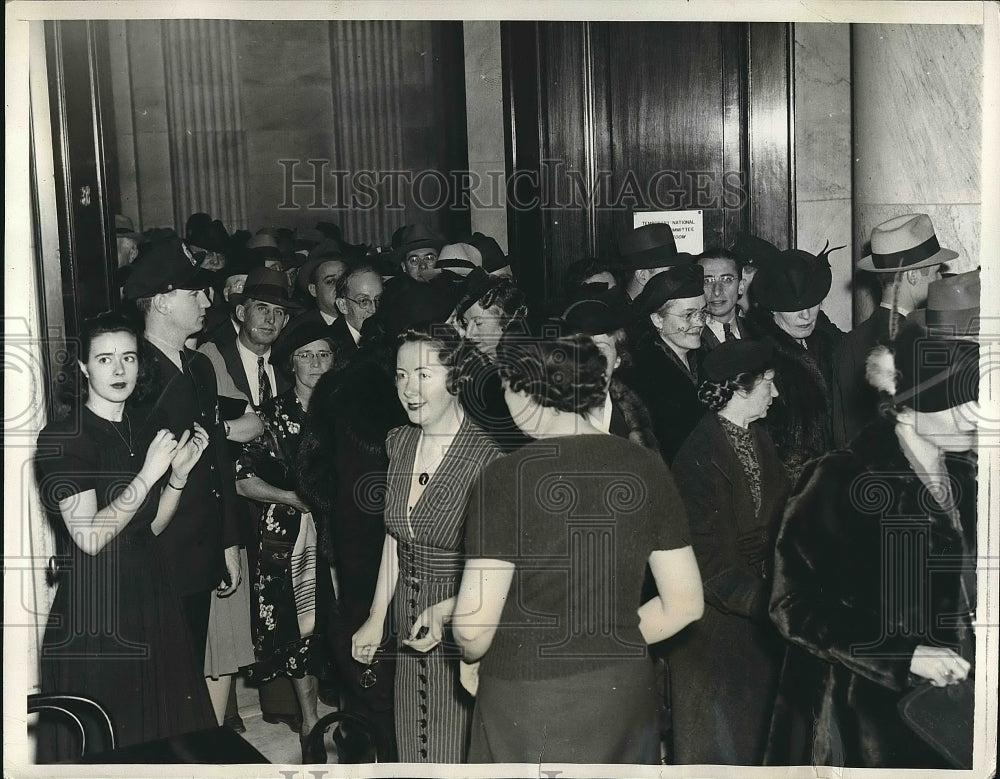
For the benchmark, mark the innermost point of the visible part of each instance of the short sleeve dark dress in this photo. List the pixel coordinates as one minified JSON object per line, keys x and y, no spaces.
{"x":116,"y":632}
{"x":568,"y":677}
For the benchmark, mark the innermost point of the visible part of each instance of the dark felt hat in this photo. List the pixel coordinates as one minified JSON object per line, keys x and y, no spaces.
{"x":594,"y":309}
{"x":163,"y":266}
{"x":212,"y":237}
{"x":476,"y":284}
{"x":793,"y":280}
{"x":933,"y":373}
{"x":755,"y":251}
{"x":265,"y":244}
{"x":322,"y":252}
{"x":294,"y":336}
{"x":266,"y":284}
{"x":953,"y":305}
{"x":409,"y":303}
{"x":493,"y":257}
{"x":649,"y":246}
{"x":413,"y":237}
{"x":682,"y":281}
{"x":740,"y":355}
{"x":125,"y":228}
{"x":197,"y":224}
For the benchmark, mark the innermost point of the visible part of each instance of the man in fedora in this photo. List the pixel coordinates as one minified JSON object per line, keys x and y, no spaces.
{"x":953,"y":307}
{"x":317,"y":282}
{"x":415,"y":249}
{"x":906,"y":257}
{"x":201,"y":544}
{"x":670,"y":316}
{"x":724,"y":286}
{"x":646,"y":251}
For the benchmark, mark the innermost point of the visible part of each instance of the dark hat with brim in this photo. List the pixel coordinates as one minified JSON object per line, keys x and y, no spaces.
{"x":595,"y":309}
{"x":493,"y":258}
{"x":741,"y":355}
{"x":125,"y":229}
{"x":751,"y":250}
{"x":649,"y":246}
{"x":412,"y":238}
{"x":933,"y":373}
{"x":793,"y":280}
{"x":268,"y":285}
{"x":473,"y":287}
{"x":163,"y":266}
{"x":953,"y":305}
{"x":676,"y":283}
{"x":903,"y":243}
{"x":297,"y":334}
{"x":408,"y":303}
{"x":316,"y":258}
{"x":212,"y":237}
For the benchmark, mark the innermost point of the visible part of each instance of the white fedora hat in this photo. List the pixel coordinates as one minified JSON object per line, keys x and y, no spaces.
{"x":904,"y":243}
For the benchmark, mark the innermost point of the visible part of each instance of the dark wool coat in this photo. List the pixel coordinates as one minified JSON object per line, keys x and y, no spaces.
{"x":629,"y":416}
{"x":724,"y":667}
{"x":854,"y":592}
{"x":667,"y":390}
{"x":800,"y":420}
{"x":341,"y":472}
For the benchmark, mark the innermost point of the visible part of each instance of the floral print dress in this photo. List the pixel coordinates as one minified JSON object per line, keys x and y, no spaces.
{"x":283,"y":600}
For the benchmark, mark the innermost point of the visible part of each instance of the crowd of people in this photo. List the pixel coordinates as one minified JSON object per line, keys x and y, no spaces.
{"x":672,"y":514}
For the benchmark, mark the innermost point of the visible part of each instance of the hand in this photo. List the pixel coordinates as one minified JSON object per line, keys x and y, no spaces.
{"x":159,"y":456}
{"x":468,"y":675}
{"x":189,"y":450}
{"x":234,"y":566}
{"x":297,"y":503}
{"x":366,"y":641}
{"x":939,"y":665}
{"x":427,"y":631}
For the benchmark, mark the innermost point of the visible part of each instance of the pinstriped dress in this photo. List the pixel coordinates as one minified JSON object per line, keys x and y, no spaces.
{"x":433,"y":711}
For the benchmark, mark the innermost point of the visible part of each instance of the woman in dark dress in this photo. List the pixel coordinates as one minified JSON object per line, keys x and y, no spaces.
{"x":787,"y":293}
{"x":433,"y":465}
{"x":558,"y":536}
{"x":874,"y":576}
{"x":287,"y":581}
{"x":724,"y":668}
{"x":110,"y":480}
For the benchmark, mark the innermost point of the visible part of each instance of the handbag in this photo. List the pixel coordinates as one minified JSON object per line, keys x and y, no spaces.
{"x":942,"y":717}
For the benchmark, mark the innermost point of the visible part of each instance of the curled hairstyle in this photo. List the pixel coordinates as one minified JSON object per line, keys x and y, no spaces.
{"x":717,"y":394}
{"x":564,"y":372}
{"x":455,"y":353}
{"x":72,"y":390}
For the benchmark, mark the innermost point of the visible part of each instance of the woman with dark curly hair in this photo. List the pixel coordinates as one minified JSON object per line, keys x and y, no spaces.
{"x":557,"y":539}
{"x":724,"y":668}
{"x":433,"y":464}
{"x":110,"y":476}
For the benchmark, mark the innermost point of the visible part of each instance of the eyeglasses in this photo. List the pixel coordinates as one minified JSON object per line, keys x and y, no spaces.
{"x":322,"y":356}
{"x":692,"y":317}
{"x":366,"y":302}
{"x":726,"y":280}
{"x":422,"y":259}
{"x":368,"y":677}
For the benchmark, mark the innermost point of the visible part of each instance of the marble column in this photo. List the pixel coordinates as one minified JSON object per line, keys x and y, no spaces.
{"x":917,"y":133}
{"x":823,"y":154}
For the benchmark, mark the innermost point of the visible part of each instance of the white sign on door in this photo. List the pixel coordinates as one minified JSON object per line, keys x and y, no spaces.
{"x":687,"y":227}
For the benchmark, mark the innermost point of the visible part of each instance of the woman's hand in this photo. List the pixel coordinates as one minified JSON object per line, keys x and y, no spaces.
{"x":297,"y":503}
{"x":159,"y":456}
{"x":366,"y":641}
{"x":189,"y":450}
{"x":428,"y":630}
{"x":939,"y":665}
{"x":468,"y":675}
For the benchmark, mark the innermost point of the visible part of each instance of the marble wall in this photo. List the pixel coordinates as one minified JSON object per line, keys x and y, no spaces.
{"x":918,"y":130}
{"x":822,"y":89}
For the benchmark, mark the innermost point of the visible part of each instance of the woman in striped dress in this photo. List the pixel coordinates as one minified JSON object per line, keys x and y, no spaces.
{"x":433,"y":465}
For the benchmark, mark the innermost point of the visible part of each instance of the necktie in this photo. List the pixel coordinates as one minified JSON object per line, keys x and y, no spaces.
{"x":263,"y":382}
{"x":727,"y":330}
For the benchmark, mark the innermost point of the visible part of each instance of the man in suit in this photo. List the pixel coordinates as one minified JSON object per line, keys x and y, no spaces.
{"x":670,"y":316}
{"x":724,"y":286}
{"x":645,"y":252}
{"x":358,"y":294}
{"x":906,"y":256}
{"x":201,"y":544}
{"x":318,"y":279}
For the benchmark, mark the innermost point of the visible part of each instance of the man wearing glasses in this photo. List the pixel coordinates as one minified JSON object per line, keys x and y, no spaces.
{"x":723,"y":288}
{"x":671,"y":316}
{"x":359,"y":292}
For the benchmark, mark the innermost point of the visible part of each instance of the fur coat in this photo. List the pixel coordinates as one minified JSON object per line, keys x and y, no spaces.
{"x":854,"y":593}
{"x":629,"y":416}
{"x":800,"y":420}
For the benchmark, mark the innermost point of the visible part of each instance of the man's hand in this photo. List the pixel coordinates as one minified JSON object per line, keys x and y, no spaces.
{"x":234,"y":566}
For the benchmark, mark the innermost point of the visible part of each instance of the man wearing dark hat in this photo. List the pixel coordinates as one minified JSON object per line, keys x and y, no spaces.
{"x":724,"y":286}
{"x":127,"y":239}
{"x":201,"y":544}
{"x":317,"y":280}
{"x":907,"y":258}
{"x":415,"y":248}
{"x":646,"y":251}
{"x":670,"y":314}
{"x":953,"y":306}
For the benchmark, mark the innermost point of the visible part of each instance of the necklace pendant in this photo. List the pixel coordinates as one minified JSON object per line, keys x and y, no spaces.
{"x":423,"y":478}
